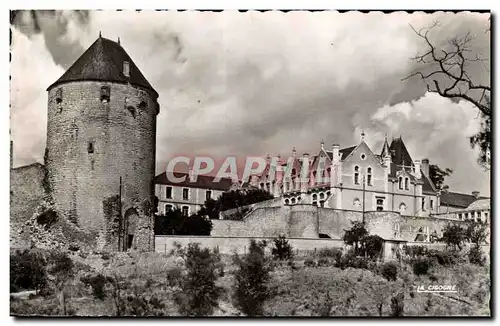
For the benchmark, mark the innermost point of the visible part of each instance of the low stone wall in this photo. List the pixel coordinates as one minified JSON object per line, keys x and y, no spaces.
{"x":229,"y":245}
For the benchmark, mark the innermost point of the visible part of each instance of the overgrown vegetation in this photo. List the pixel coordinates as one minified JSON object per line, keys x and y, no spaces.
{"x":199,"y":295}
{"x":27,"y":271}
{"x":251,"y":287}
{"x":175,"y":222}
{"x":282,"y":250}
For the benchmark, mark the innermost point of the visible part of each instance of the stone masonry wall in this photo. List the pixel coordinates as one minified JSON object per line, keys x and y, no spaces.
{"x":26,"y":192}
{"x":123,"y":143}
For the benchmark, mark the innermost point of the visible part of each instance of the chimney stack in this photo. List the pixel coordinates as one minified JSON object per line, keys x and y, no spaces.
{"x":418,"y":174}
{"x":475,"y":193}
{"x":425,"y":166}
{"x":336,"y":153}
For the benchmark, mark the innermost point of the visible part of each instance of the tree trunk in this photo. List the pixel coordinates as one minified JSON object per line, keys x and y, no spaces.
{"x":62,"y":302}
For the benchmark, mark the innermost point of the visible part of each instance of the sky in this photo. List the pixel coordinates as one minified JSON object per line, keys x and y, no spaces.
{"x":252,"y":84}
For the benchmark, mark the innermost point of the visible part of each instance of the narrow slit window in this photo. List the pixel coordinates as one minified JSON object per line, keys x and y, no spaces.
{"x":59,"y":96}
{"x":90,"y":147}
{"x":105,"y":94}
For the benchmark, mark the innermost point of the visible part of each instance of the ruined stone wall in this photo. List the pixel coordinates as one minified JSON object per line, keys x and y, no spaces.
{"x":121,"y":135}
{"x":26,"y":192}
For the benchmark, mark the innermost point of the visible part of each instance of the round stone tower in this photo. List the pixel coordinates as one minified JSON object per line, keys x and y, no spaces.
{"x":101,"y":133}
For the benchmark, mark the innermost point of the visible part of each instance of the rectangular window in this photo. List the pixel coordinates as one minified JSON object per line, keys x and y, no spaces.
{"x":432,"y":204}
{"x":407,"y":184}
{"x":208,"y":195}
{"x":168,"y":208}
{"x":185,"y":194}
{"x":126,"y":68}
{"x":423,"y":204}
{"x":90,"y":147}
{"x":356,"y":178}
{"x":185,"y":210}
{"x":168,"y":193}
{"x":380,"y":204}
{"x":369,"y":179}
{"x":460,"y":216}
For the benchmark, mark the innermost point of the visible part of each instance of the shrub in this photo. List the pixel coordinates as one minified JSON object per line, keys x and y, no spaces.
{"x":174,"y":276}
{"x":199,"y":294}
{"x":47,"y":218}
{"x":398,"y":304}
{"x":27,"y":271}
{"x":98,"y":284}
{"x":444,"y":258}
{"x":309,"y":262}
{"x":389,"y":270}
{"x":355,"y":234}
{"x":324,"y":262}
{"x":251,"y":288}
{"x":476,"y":256}
{"x":372,"y":245}
{"x":351,"y":260}
{"x":330,"y":252}
{"x":415,"y":251}
{"x":60,"y":265}
{"x":454,"y":235}
{"x":421,"y":266}
{"x":105,"y":256}
{"x":282,"y":250}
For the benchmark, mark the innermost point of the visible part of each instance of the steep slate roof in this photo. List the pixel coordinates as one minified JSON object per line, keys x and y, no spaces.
{"x":346,"y":151}
{"x":427,"y":186}
{"x":203,"y":181}
{"x":399,"y":153}
{"x":457,"y":199}
{"x":103,"y":61}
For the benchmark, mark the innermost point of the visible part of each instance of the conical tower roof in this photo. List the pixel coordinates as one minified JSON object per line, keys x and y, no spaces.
{"x":103,"y":61}
{"x":385,"y":149}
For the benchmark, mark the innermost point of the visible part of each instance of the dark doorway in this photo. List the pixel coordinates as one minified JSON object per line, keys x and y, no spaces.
{"x":130,"y":241}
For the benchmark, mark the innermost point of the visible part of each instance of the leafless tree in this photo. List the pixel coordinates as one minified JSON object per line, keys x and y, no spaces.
{"x":445,"y":70}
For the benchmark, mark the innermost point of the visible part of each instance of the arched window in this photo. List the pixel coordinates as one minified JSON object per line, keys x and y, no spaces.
{"x":287,"y":201}
{"x":315,"y":203}
{"x":262,"y":185}
{"x":369,"y":176}
{"x":356,"y":175}
{"x":402,"y":208}
{"x":407,"y":184}
{"x":400,"y":183}
{"x":105,"y":94}
{"x":321,"y":196}
{"x":268,"y":186}
{"x":293,"y":200}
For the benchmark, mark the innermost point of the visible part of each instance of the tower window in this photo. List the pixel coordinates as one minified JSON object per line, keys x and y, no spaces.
{"x":90,"y":147}
{"x":126,"y":68}
{"x":185,"y":194}
{"x":59,"y":95}
{"x":105,"y":91}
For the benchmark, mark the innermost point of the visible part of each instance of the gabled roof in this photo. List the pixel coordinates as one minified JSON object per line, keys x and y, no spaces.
{"x":103,"y":61}
{"x":457,"y":199}
{"x":203,"y":181}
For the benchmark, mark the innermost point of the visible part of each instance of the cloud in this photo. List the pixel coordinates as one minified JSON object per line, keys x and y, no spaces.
{"x":436,"y":128}
{"x":254,"y":83}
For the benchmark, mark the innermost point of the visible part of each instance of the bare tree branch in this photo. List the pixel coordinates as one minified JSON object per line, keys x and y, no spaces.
{"x":448,"y":76}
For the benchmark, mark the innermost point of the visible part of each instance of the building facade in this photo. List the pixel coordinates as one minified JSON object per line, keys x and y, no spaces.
{"x":354,"y":178}
{"x":101,"y":140}
{"x":188,"y":195}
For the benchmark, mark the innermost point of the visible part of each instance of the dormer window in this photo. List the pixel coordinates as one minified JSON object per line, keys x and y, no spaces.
{"x":105,"y":91}
{"x":400,"y":183}
{"x":59,"y":96}
{"x":126,"y":68}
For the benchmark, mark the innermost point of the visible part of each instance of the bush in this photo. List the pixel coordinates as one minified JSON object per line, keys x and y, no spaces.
{"x":98,"y":284}
{"x":27,"y":271}
{"x":282,"y":250}
{"x":415,"y":251}
{"x":324,"y":262}
{"x":476,"y":256}
{"x":309,"y":262}
{"x":174,"y":276}
{"x":351,"y":260}
{"x":330,"y":252}
{"x":389,"y":270}
{"x":398,"y":305}
{"x":444,"y":258}
{"x":372,"y":245}
{"x":199,"y":294}
{"x":251,"y":288}
{"x":421,"y":266}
